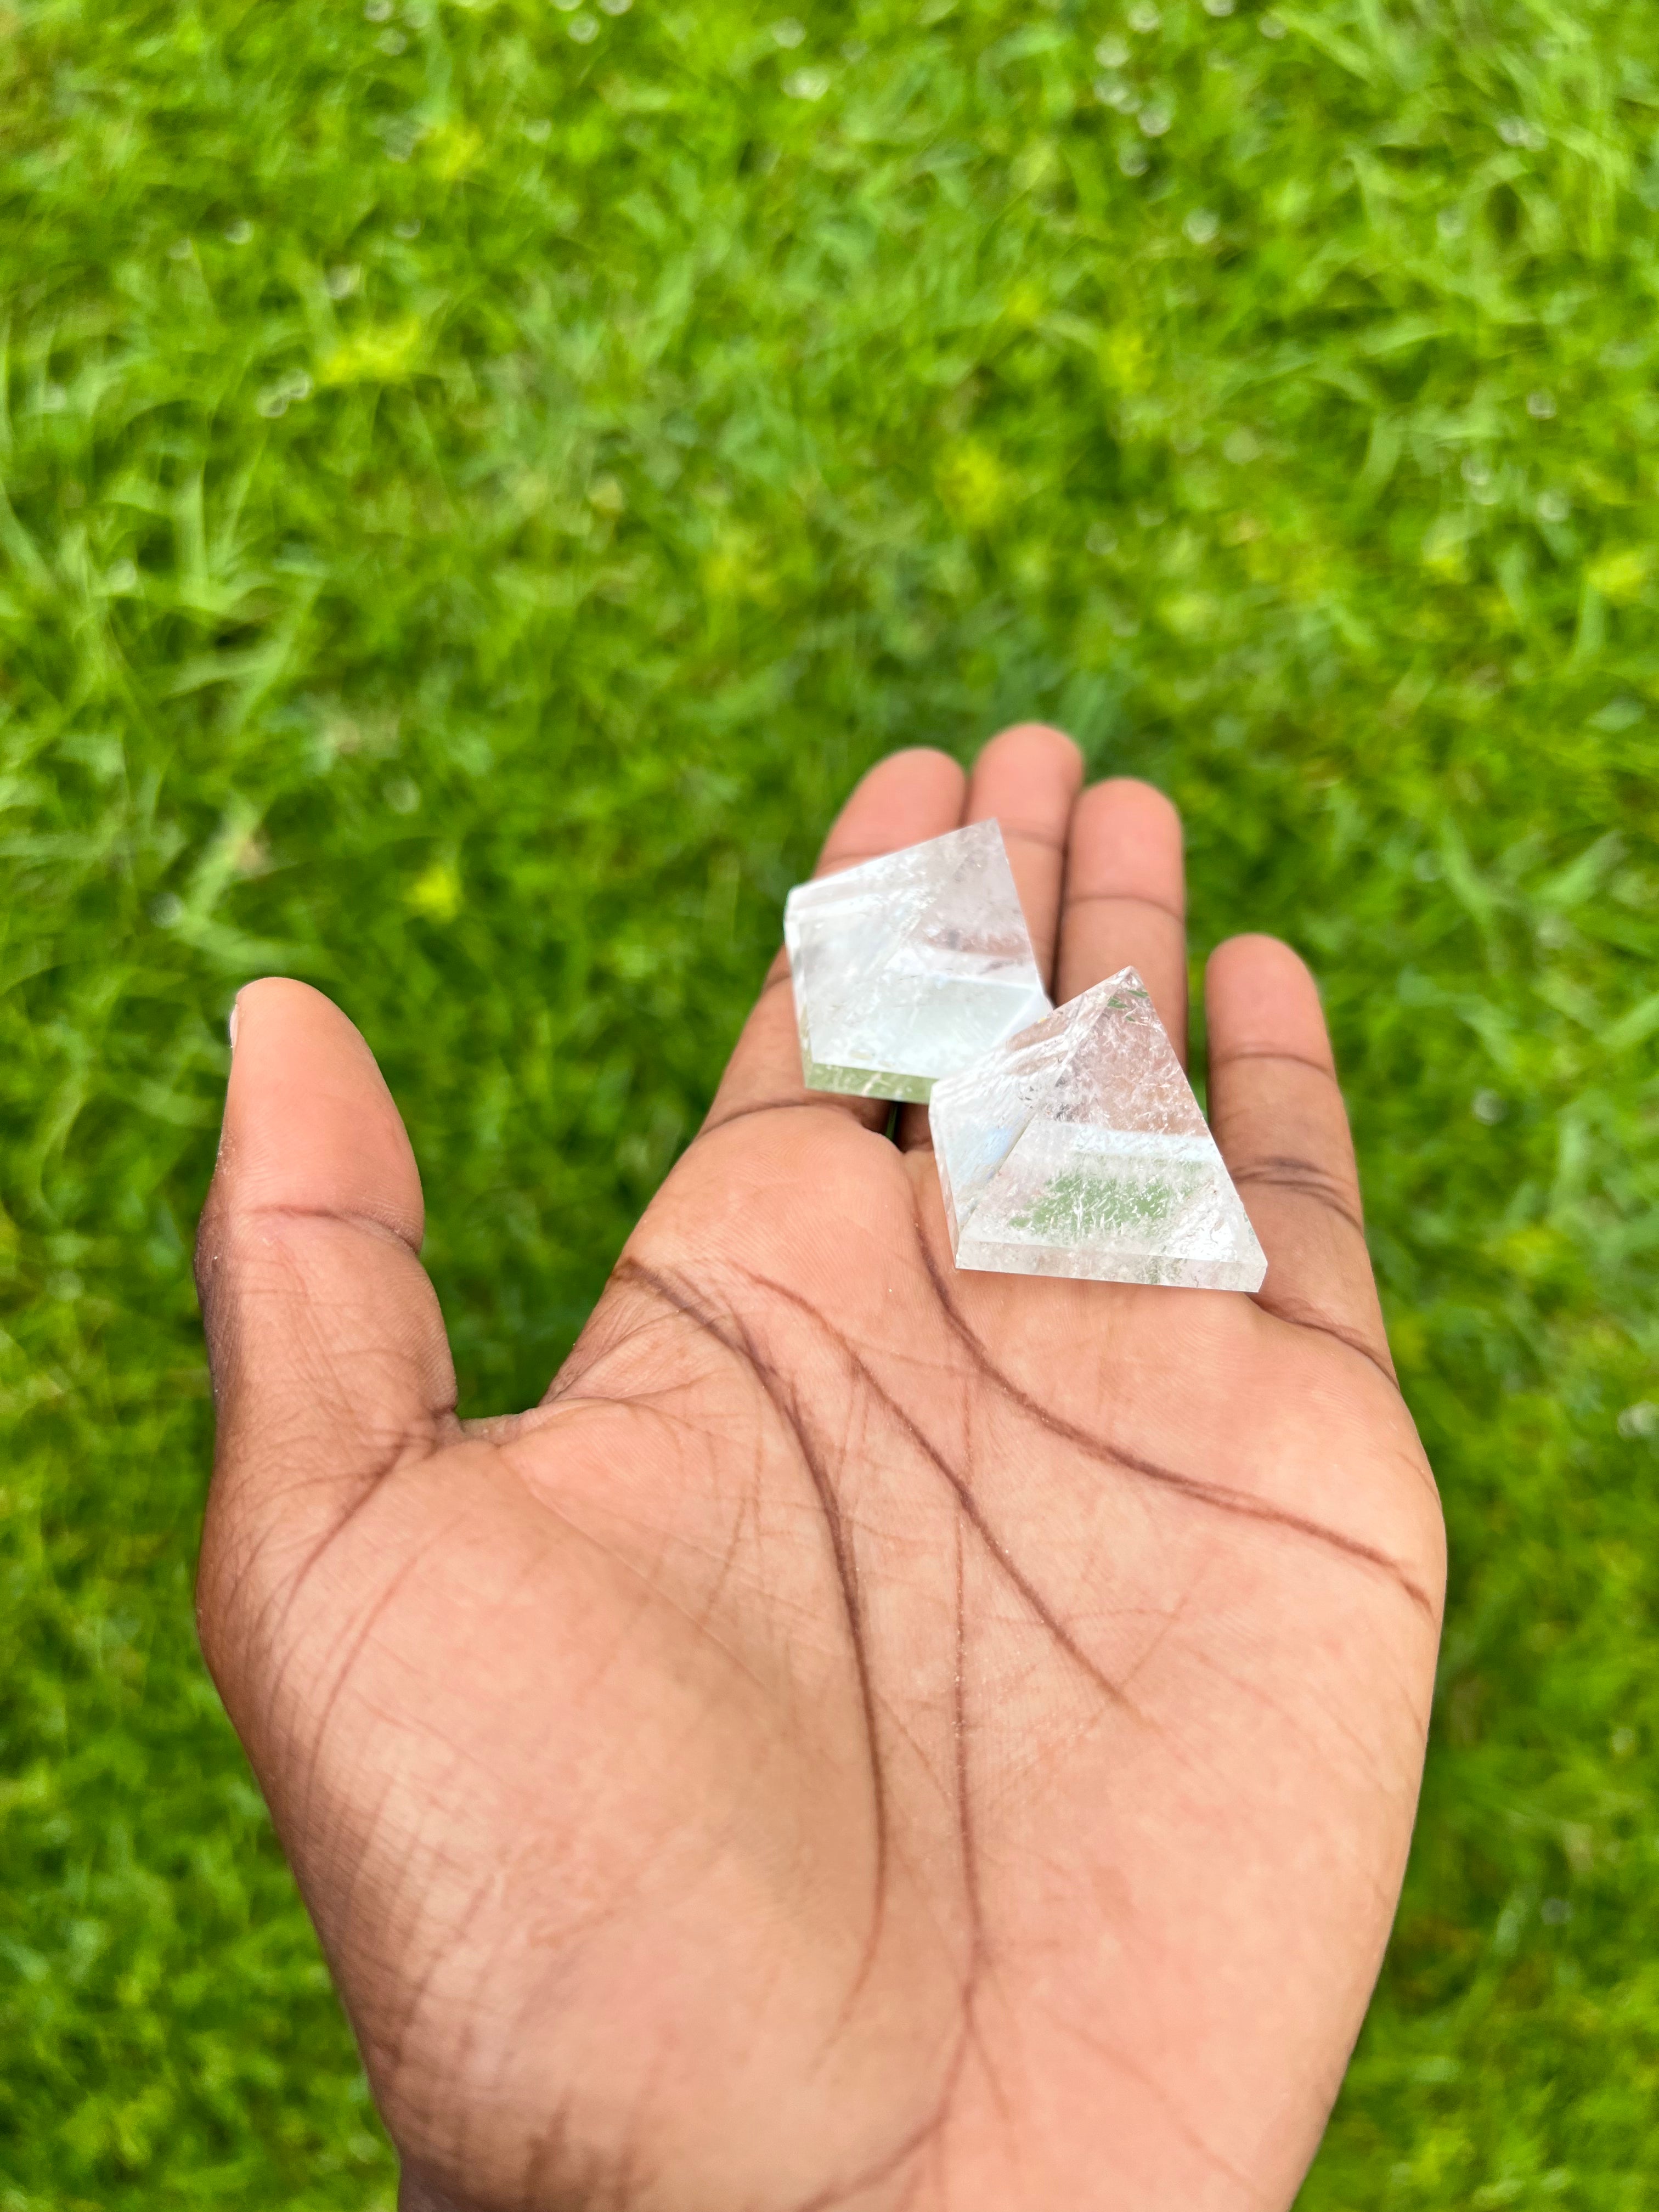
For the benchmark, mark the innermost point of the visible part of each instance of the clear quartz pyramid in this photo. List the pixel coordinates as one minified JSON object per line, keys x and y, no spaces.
{"x":907,"y":967}
{"x":1077,"y":1148}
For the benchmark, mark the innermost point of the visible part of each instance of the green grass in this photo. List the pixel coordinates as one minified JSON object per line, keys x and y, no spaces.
{"x":479,"y":481}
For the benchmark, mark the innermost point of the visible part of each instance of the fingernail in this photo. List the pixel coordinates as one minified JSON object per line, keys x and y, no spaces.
{"x":231,"y":1025}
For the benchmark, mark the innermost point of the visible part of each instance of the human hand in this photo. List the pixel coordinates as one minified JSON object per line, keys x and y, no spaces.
{"x":875,"y":1736}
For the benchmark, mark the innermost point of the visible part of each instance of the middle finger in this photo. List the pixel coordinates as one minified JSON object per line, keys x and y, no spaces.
{"x":1026,"y":779}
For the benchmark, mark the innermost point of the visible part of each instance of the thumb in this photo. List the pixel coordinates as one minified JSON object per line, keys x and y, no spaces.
{"x":327,"y":1350}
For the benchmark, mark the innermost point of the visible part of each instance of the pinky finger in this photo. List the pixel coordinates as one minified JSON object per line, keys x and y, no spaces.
{"x":1277,"y":1114}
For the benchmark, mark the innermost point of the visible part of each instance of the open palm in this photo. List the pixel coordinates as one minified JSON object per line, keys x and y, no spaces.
{"x":875,"y":1736}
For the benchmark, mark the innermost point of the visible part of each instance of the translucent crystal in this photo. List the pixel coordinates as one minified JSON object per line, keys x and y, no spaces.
{"x":910,"y":966}
{"x":1077,"y":1148}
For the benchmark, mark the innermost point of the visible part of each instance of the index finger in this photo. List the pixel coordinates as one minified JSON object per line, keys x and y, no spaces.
{"x":908,"y":797}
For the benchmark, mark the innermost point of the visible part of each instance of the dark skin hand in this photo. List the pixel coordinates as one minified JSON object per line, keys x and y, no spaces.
{"x":874,"y":1737}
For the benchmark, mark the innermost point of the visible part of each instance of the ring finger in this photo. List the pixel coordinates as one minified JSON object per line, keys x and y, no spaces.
{"x":1125,"y":902}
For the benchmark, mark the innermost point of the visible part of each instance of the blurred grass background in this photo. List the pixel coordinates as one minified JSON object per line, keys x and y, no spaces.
{"x":479,"y":481}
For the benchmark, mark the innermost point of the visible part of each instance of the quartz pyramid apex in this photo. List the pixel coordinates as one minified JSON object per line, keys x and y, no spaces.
{"x":1078,"y":1148}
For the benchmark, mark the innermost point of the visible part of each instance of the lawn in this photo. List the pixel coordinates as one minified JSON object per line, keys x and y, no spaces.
{"x":479,"y":482}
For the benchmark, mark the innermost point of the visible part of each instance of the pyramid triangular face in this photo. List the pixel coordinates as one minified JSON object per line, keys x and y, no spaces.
{"x":1078,"y":1149}
{"x":910,"y":966}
